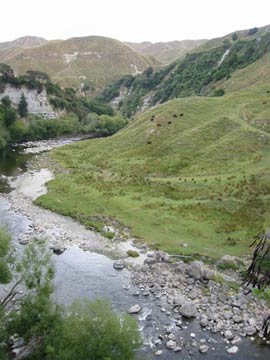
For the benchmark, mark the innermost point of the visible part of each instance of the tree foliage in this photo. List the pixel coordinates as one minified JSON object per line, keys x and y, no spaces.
{"x":23,"y":106}
{"x":86,"y":330}
{"x":91,"y":330}
{"x":193,"y":75}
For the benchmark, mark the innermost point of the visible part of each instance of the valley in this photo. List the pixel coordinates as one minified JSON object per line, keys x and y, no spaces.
{"x":144,"y":170}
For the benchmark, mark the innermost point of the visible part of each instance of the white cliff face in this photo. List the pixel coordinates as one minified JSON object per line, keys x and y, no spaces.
{"x":38,"y":103}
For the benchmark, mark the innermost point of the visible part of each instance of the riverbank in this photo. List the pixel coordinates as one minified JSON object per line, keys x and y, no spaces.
{"x":185,"y":308}
{"x":59,"y":231}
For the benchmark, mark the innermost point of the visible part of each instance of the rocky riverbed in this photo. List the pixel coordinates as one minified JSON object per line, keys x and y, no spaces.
{"x":189,"y":309}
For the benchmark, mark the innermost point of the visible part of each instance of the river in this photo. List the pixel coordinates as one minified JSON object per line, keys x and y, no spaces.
{"x":90,"y":274}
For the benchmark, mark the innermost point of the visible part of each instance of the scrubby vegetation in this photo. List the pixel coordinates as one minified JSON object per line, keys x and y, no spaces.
{"x":86,"y":330}
{"x":196,"y":74}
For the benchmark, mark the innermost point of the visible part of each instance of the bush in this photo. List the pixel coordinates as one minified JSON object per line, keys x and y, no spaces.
{"x":92,"y":331}
{"x":18,"y":130}
{"x":219,"y":92}
{"x":103,"y":125}
{"x":234,"y":36}
{"x":252,"y":31}
{"x":87,"y":330}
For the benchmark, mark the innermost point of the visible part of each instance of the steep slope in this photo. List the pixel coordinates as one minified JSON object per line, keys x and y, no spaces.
{"x":166,"y":52}
{"x":191,"y":175}
{"x":86,"y":62}
{"x":253,"y":75}
{"x":199,"y":73}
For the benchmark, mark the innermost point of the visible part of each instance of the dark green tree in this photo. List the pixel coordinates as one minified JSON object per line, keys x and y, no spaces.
{"x":234,"y":36}
{"x":6,"y":102}
{"x":23,"y":106}
{"x":10,"y":116}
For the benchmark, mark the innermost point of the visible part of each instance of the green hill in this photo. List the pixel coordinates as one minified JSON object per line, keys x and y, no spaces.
{"x":84,"y":62}
{"x":189,"y":176}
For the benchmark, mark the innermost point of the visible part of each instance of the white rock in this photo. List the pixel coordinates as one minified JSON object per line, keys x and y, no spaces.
{"x":203,"y":349}
{"x":171,"y":344}
{"x":135,"y":309}
{"x":232,"y":350}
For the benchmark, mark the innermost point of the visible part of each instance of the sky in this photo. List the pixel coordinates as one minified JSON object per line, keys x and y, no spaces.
{"x":130,"y":20}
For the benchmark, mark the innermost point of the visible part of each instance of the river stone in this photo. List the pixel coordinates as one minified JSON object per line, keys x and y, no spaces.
{"x":179,"y":300}
{"x":237,"y":319}
{"x":150,"y":261}
{"x":204,"y":321}
{"x":232,"y":350}
{"x":203,"y":349}
{"x":158,"y":353}
{"x":250,"y":330}
{"x":171,"y":344}
{"x":229,"y":262}
{"x":135,"y":309}
{"x":193,"y":294}
{"x":195,"y":269}
{"x":252,"y":322}
{"x":188,"y":310}
{"x":118,"y":265}
{"x":236,"y":340}
{"x":24,"y":241}
{"x":228,"y":334}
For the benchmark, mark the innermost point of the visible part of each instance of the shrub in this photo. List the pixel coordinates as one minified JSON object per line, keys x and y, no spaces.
{"x":219,"y":92}
{"x":91,"y":330}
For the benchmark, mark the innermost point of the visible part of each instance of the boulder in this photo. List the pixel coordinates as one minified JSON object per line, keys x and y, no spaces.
{"x":188,"y":310}
{"x":204,"y":321}
{"x":229,"y":262}
{"x":171,"y":344}
{"x":250,"y":330}
{"x":195,"y":269}
{"x":228,"y":335}
{"x":135,"y":309}
{"x":179,"y":300}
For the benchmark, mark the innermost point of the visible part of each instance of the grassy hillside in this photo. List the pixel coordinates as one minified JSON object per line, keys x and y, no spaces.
{"x":92,"y":61}
{"x":253,"y":75}
{"x":166,"y":52}
{"x":189,"y":176}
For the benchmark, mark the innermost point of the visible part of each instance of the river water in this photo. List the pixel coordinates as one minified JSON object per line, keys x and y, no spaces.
{"x":83,"y":274}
